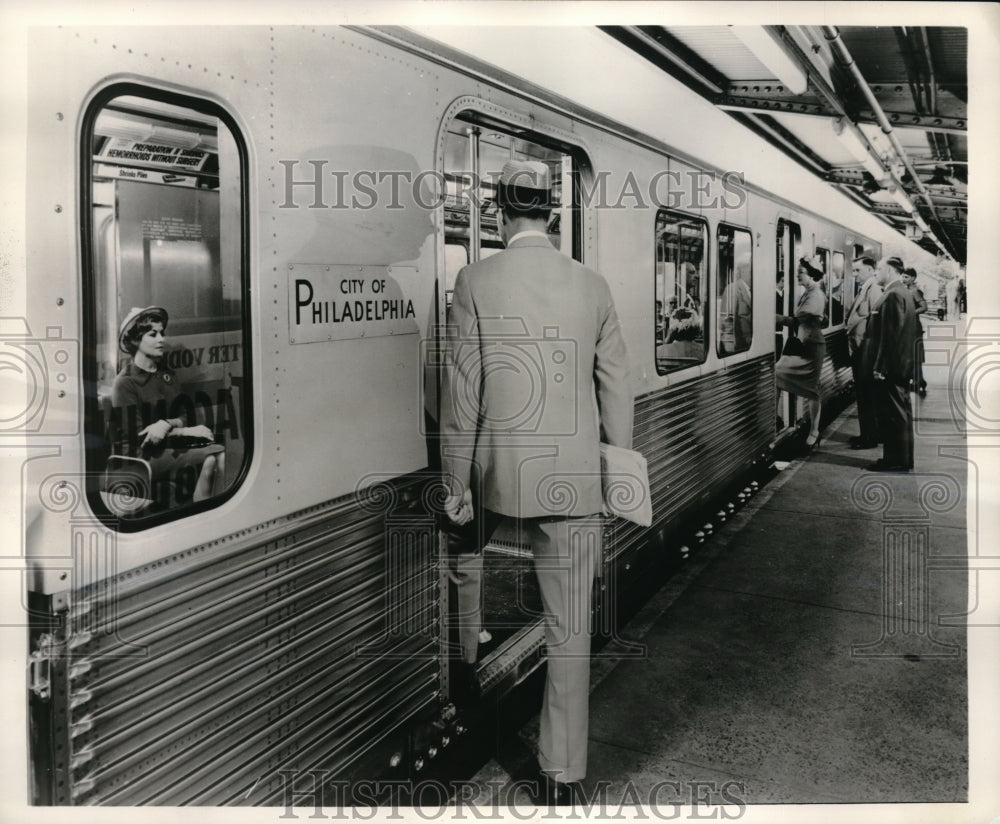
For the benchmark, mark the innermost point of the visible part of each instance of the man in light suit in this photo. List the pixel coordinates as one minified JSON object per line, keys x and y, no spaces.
{"x":869,"y":295}
{"x":736,"y":310}
{"x":892,"y":331}
{"x":534,"y":342}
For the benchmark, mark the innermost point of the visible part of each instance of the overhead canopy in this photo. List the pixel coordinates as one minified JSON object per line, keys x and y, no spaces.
{"x":878,"y":112}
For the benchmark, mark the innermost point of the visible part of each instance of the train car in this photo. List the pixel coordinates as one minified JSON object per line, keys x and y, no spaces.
{"x":299,"y":203}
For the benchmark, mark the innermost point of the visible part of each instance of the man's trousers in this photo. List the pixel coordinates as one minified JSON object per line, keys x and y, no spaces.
{"x":565,"y":554}
{"x":895,"y":419}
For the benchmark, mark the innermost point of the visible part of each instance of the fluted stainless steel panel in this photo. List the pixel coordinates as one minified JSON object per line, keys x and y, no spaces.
{"x":698,"y":436}
{"x":298,"y":644}
{"x":836,"y":378}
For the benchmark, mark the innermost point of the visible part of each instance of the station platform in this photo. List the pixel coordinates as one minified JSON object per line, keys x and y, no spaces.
{"x":812,"y":651}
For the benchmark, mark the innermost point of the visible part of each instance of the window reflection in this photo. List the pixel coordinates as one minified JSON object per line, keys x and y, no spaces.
{"x":168,"y":416}
{"x":680,"y":282}
{"x":735,"y":328}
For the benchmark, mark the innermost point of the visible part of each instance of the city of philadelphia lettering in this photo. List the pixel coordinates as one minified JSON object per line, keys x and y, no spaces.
{"x":340,"y":302}
{"x":346,"y":310}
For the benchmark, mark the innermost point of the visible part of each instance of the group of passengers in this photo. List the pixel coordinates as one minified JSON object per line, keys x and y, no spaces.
{"x":885,"y":338}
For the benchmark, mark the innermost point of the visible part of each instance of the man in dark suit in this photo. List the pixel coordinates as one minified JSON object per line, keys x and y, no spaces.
{"x":534,"y":341}
{"x":892,"y":330}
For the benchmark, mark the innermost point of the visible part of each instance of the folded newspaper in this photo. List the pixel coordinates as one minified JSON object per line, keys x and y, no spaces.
{"x":626,"y":484}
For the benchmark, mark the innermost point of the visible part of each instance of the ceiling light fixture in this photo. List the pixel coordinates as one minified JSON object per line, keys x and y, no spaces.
{"x":770,"y":51}
{"x":846,"y":131}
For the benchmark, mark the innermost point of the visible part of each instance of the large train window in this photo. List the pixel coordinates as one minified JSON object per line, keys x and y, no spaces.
{"x":837,"y":290}
{"x":681,"y":278}
{"x":475,"y":153}
{"x":735,"y":284}
{"x":166,"y":317}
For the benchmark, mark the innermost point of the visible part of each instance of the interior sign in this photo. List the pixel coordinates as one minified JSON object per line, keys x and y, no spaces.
{"x":124,"y":149}
{"x":342,"y":301}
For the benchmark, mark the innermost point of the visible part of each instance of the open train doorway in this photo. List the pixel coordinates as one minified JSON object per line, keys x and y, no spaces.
{"x":788,"y":242}
{"x":475,"y":149}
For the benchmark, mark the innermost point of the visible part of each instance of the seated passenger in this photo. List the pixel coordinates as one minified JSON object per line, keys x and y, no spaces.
{"x":150,"y":416}
{"x":689,"y":288}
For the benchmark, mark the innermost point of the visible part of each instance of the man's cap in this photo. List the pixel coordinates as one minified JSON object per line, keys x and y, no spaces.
{"x":525,"y":184}
{"x":135,"y":314}
{"x":525,"y":174}
{"x":895,"y":262}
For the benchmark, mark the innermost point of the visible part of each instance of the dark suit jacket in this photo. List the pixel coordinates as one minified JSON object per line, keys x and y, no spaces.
{"x":891,"y":333}
{"x":537,"y":376}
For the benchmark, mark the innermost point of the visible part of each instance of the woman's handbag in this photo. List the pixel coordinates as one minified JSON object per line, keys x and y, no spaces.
{"x":793,"y":346}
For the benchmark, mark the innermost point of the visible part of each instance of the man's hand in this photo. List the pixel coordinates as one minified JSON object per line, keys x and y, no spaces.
{"x":878,"y":376}
{"x":155,"y":432}
{"x":459,"y":507}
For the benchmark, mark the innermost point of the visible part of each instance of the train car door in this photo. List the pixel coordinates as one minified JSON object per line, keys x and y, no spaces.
{"x":788,"y":241}
{"x":475,"y":150}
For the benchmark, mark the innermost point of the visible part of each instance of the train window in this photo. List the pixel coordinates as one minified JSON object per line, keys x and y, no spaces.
{"x":823,"y":260}
{"x":166,"y":319}
{"x":474,"y":156}
{"x":837,"y":290}
{"x":735,"y":328}
{"x":680,"y":313}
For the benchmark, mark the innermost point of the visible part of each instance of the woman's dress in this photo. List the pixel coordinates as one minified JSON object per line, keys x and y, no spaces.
{"x":800,"y":374}
{"x":140,"y":398}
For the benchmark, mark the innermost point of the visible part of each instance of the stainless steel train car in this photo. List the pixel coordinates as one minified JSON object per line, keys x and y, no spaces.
{"x":300,"y":200}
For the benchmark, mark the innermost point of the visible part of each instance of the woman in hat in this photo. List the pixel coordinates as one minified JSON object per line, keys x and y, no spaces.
{"x":154,"y":413}
{"x":799,"y":374}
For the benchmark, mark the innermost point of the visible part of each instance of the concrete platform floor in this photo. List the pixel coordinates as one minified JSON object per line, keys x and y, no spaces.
{"x":813,"y":652}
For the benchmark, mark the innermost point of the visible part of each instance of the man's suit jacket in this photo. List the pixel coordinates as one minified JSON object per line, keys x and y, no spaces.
{"x":534,"y":342}
{"x":861,"y":309}
{"x":892,"y":330}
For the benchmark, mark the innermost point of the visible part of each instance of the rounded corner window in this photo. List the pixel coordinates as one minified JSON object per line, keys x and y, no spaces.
{"x":735,"y":295}
{"x":680,"y":309}
{"x":166,"y":314}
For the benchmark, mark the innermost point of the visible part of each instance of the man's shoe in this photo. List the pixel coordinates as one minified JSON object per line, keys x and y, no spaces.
{"x":552,"y":793}
{"x":882,"y":466}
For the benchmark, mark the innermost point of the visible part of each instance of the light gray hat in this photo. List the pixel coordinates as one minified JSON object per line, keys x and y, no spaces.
{"x":526,"y":174}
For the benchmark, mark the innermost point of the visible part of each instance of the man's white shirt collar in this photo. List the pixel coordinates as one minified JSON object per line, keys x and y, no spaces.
{"x":527,"y":233}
